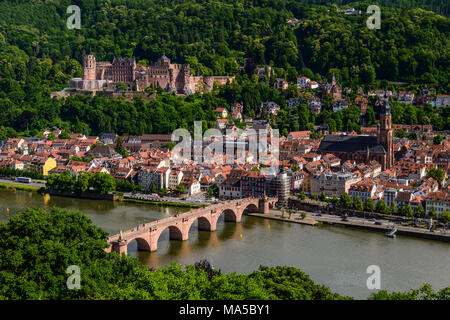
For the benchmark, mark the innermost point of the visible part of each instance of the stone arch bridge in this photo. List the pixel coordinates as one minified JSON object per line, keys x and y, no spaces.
{"x":147,"y":234}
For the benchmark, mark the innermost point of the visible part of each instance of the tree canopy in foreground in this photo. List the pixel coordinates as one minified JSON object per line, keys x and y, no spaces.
{"x":37,"y":247}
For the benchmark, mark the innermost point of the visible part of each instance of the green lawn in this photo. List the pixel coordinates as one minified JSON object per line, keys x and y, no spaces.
{"x":18,"y":187}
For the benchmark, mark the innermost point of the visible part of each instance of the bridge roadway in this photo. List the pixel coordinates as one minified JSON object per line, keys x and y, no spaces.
{"x":147,"y":234}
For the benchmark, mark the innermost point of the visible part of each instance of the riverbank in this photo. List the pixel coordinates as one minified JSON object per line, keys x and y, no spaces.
{"x":364,"y":224}
{"x":162,"y":203}
{"x":307,"y":221}
{"x":21,"y":187}
{"x":401,"y":230}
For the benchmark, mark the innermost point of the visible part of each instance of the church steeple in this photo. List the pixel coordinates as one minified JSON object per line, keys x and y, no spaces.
{"x":386,"y":108}
{"x":385,"y":132}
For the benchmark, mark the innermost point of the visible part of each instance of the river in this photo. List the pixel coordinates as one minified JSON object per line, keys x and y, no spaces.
{"x":333,"y":256}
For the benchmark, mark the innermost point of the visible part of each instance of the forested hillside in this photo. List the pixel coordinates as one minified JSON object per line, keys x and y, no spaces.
{"x":38,"y":54}
{"x":438,"y":6}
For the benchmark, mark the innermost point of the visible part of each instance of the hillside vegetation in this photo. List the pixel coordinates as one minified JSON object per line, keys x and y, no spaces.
{"x":38,"y":55}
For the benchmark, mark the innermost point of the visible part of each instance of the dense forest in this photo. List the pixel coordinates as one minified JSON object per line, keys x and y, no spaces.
{"x":438,"y":6}
{"x":38,"y":55}
{"x":38,"y":246}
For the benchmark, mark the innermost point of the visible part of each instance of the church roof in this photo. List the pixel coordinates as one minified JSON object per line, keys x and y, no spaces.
{"x":334,"y":143}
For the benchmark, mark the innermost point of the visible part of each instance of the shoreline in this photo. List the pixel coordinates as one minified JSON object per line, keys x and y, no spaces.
{"x":161,"y":203}
{"x":92,"y":196}
{"x":401,"y":230}
{"x":311,"y":221}
{"x":20,"y":187}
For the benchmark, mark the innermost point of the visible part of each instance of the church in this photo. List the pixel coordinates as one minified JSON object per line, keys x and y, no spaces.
{"x":365,"y":148}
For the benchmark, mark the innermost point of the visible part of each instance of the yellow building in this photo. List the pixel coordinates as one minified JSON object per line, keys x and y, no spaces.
{"x":43,"y":165}
{"x":306,"y":184}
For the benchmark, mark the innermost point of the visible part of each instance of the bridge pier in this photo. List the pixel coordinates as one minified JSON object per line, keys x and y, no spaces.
{"x":119,"y":246}
{"x":263,"y":206}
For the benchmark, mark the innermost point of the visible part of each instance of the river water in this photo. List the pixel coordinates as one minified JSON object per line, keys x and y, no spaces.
{"x":334,"y":256}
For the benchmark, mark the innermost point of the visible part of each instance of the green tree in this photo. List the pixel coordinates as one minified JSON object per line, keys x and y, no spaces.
{"x":419,"y":211}
{"x":180,"y":188}
{"x":64,"y":135}
{"x":33,"y":266}
{"x":213,"y":191}
{"x":302,"y":196}
{"x":83,"y":182}
{"x":120,"y":149}
{"x":423,"y":293}
{"x":103,"y":183}
{"x":412,"y":136}
{"x":61,"y":182}
{"x":369,"y":205}
{"x":335,"y":200}
{"x":437,"y":140}
{"x":432,"y":212}
{"x":152,"y":187}
{"x":358,"y":204}
{"x":444,"y":217}
{"x":382,"y":207}
{"x":345,"y":201}
{"x":407,"y":211}
{"x":437,"y":174}
{"x":393,"y":208}
{"x":122,"y":86}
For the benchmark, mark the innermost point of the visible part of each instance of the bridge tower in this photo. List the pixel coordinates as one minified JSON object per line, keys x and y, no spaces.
{"x":263,"y":204}
{"x":119,"y":246}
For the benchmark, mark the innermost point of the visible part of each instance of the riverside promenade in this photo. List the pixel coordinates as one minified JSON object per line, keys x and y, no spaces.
{"x":353,"y":222}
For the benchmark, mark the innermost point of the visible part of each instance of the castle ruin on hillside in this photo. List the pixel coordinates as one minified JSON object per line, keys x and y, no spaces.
{"x":172,"y":77}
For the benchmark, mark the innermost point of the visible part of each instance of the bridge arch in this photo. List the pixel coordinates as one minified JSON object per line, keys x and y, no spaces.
{"x":175,"y":233}
{"x":252,"y":207}
{"x":142,"y":244}
{"x":203,"y":223}
{"x":229,"y":215}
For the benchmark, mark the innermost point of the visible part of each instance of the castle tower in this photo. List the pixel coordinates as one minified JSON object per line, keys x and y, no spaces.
{"x":385,"y":133}
{"x":89,"y":67}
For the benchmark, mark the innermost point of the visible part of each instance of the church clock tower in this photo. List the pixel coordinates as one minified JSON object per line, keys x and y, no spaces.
{"x":385,"y":133}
